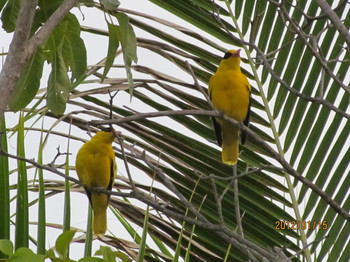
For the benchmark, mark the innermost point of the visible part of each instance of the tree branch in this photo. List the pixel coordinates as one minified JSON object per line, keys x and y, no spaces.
{"x":343,"y":31}
{"x":236,"y":202}
{"x":304,"y":37}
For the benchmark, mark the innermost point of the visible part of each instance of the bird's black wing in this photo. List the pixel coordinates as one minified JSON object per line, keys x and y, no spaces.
{"x":246,"y":123}
{"x":111,"y":178}
{"x":217,"y":129}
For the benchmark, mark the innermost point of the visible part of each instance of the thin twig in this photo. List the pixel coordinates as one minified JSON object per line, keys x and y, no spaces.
{"x":236,"y":201}
{"x":218,"y":201}
{"x":339,"y":25}
{"x":111,"y":98}
{"x":303,"y":36}
{"x":141,"y":116}
{"x":243,"y":174}
{"x":309,"y":244}
{"x":58,"y":154}
{"x":133,"y":188}
{"x":199,"y":87}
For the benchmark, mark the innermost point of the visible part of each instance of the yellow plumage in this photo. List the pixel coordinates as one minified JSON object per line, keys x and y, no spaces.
{"x":96,"y":167}
{"x":229,"y":91}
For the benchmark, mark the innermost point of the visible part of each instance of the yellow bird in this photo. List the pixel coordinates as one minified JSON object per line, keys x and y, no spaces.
{"x":96,"y":167}
{"x":229,"y":90}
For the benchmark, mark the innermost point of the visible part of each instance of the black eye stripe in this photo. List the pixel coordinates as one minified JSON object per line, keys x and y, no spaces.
{"x":107,"y":129}
{"x":227,"y":55}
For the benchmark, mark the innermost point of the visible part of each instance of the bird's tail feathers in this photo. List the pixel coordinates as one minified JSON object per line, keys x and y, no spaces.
{"x":230,"y":147}
{"x":99,"y":205}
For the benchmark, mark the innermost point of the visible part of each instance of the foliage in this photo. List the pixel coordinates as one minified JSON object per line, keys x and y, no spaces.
{"x":58,"y":254}
{"x":293,"y":171}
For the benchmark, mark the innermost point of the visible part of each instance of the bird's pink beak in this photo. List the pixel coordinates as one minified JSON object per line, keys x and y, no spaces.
{"x":236,"y":54}
{"x":116,"y":133}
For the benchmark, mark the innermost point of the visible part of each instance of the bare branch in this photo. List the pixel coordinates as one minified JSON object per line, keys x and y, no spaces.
{"x":317,"y":100}
{"x":236,"y":201}
{"x":218,"y":200}
{"x":343,"y":31}
{"x":304,"y":37}
{"x":140,"y":116}
{"x":126,"y":164}
{"x":199,"y":87}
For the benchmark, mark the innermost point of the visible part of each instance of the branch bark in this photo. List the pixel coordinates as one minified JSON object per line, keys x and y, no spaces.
{"x":343,"y":31}
{"x":304,"y":37}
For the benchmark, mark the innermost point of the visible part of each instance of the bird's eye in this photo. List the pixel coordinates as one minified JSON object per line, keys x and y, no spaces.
{"x":107,"y":129}
{"x":227,"y":55}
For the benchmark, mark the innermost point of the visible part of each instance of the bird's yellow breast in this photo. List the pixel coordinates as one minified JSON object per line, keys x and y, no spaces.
{"x":94,"y":164}
{"x":230,"y":91}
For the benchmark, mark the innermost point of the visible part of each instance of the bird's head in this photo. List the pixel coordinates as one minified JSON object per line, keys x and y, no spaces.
{"x":231,"y":60}
{"x":107,"y":135}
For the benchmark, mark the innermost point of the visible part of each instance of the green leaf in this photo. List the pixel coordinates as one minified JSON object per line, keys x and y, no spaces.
{"x":74,"y":46}
{"x":202,"y":19}
{"x":4,"y":185}
{"x":22,"y":219}
{"x":9,"y":15}
{"x":41,"y":237}
{"x":113,"y":44}
{"x":89,"y":234}
{"x":6,"y":247}
{"x":25,"y":254}
{"x":91,"y":259}
{"x":67,"y":37}
{"x":247,"y":15}
{"x":259,"y":13}
{"x":48,"y":7}
{"x":50,"y":253}
{"x":2,"y":4}
{"x":59,"y":87}
{"x":238,"y":8}
{"x":63,"y":241}
{"x":28,"y":83}
{"x":128,"y":41}
{"x":107,"y":253}
{"x":110,"y":5}
{"x":64,"y":49}
{"x":143,"y":243}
